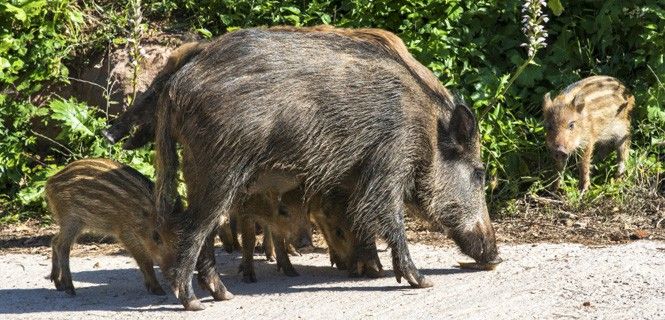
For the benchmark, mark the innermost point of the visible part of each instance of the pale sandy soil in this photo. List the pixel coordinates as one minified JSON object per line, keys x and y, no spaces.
{"x":537,"y":281}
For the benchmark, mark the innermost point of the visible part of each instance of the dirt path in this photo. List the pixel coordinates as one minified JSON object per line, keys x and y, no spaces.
{"x":536,"y":281}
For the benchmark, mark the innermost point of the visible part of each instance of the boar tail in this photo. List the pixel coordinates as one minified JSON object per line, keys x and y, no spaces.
{"x":166,"y":159}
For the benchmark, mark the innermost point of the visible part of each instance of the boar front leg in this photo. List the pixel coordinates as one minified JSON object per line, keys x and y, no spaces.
{"x":585,"y":167}
{"x":283,"y":261}
{"x":225,"y":235}
{"x":623,"y":148}
{"x":207,"y":273}
{"x":248,"y":231}
{"x":560,"y":164}
{"x":365,"y":260}
{"x":268,"y":243}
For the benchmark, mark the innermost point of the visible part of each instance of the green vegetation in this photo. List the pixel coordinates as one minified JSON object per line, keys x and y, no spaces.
{"x":472,"y":46}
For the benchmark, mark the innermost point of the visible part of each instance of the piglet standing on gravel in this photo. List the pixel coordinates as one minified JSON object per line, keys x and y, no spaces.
{"x":109,"y":198}
{"x":593,"y":113}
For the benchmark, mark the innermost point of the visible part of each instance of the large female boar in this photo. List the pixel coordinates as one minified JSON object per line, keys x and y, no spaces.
{"x":268,"y":110}
{"x":106,"y":197}
{"x":589,"y":113}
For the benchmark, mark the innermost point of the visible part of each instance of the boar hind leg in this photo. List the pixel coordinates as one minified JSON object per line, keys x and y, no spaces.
{"x":207,"y":273}
{"x":283,"y":261}
{"x":62,"y":244}
{"x":623,"y":148}
{"x":201,"y":224}
{"x":133,"y":245}
{"x":248,"y":231}
{"x":268,"y":243}
{"x":585,"y":167}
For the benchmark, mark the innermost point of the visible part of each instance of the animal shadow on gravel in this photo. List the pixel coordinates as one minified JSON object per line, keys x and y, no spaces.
{"x":123,"y":289}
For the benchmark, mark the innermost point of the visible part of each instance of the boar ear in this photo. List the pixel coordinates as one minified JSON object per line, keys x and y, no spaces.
{"x":578,"y":103}
{"x":462,"y":125}
{"x":547,"y":102}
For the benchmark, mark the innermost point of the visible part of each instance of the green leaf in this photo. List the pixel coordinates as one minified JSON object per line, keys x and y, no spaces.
{"x":555,"y":6}
{"x":204,"y":32}
{"x":325,"y":18}
{"x":19,"y":14}
{"x":292,"y":10}
{"x":74,"y":116}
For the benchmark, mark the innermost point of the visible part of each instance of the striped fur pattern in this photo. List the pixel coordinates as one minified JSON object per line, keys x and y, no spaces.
{"x":593,"y":113}
{"x":108,"y":198}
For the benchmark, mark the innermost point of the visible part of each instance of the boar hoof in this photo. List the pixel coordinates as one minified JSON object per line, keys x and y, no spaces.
{"x":372,"y":270}
{"x":423,"y":282}
{"x":288,"y":270}
{"x":70,"y":291}
{"x":222,"y":295}
{"x":409,"y":272}
{"x":193,"y":305}
{"x":248,"y":276}
{"x":292,"y":251}
{"x":291,"y":272}
{"x":58,"y":285}
{"x":227,"y":247}
{"x":158,"y":291}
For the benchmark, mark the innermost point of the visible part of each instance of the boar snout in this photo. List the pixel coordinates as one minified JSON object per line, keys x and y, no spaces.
{"x":109,"y":137}
{"x":478,"y":243}
{"x":304,"y":241}
{"x":560,"y":152}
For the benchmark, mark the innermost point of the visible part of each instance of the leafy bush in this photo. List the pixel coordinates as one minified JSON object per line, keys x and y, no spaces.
{"x":36,"y":40}
{"x":472,"y":46}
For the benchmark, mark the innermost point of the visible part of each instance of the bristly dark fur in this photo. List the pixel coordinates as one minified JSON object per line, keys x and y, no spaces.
{"x":319,"y":106}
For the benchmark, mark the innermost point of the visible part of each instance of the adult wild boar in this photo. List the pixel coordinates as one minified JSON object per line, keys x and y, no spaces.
{"x":592,"y":112}
{"x":267,"y":110}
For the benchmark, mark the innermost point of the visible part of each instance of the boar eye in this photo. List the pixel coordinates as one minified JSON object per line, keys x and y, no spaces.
{"x":156,"y":238}
{"x":571,"y":125}
{"x":339,"y":233}
{"x":479,"y":174}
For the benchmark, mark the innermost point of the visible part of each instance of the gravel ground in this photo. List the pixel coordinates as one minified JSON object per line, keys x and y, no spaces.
{"x":537,"y":281}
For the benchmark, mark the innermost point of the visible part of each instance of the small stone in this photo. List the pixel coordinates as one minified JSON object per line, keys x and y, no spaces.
{"x":639,"y":234}
{"x":580,"y":224}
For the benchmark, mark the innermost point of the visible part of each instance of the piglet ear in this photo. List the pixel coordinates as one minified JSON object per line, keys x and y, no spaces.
{"x":578,"y":103}
{"x":462,"y":127}
{"x":547,"y":102}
